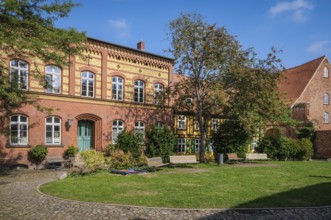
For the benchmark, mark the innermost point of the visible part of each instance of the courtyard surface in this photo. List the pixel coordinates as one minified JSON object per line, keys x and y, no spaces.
{"x":20,"y":199}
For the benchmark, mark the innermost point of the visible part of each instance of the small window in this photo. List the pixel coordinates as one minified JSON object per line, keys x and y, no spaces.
{"x":139,"y":91}
{"x":118,"y":127}
{"x":87,"y":84}
{"x":139,"y":129}
{"x":53,"y":79}
{"x":326,"y":72}
{"x":53,"y":130}
{"x":196,"y":126}
{"x":326,"y":118}
{"x":326,"y":99}
{"x":181,"y":122}
{"x":214,"y":124}
{"x":197,"y":145}
{"x":117,"y":88}
{"x":19,"y":73}
{"x":19,"y":130}
{"x":181,"y":145}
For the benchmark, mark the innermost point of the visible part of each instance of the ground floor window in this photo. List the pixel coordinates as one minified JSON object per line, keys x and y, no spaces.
{"x":19,"y":130}
{"x":117,"y":129}
{"x":53,"y":130}
{"x":197,"y":143}
{"x":181,"y":145}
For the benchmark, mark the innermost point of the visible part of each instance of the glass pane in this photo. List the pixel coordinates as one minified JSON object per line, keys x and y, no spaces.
{"x":84,"y":74}
{"x":14,"y":63}
{"x":49,"y":128}
{"x":14,"y":118}
{"x":56,"y":120}
{"x":23,"y":65}
{"x":49,"y":120}
{"x":91,"y":76}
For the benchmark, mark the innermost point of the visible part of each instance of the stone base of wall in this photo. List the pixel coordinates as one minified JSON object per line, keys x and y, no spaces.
{"x":322,"y":144}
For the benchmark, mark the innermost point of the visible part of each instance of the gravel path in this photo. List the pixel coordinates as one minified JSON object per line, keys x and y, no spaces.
{"x":19,"y":199}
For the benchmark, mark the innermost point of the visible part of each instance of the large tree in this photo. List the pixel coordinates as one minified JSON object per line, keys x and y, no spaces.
{"x":27,"y":30}
{"x":221,"y":76}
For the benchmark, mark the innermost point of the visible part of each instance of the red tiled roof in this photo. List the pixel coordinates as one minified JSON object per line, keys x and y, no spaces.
{"x":296,"y":79}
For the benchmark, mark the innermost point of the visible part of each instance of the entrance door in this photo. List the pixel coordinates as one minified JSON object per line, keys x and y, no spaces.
{"x":85,"y":135}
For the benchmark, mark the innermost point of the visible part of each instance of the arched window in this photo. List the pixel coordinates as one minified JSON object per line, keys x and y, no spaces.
{"x":53,"y":130}
{"x":139,"y":129}
{"x":139,"y":91}
{"x":326,"y":72}
{"x":158,"y":88}
{"x":53,"y":79}
{"x":117,"y":88}
{"x":326,"y":99}
{"x":118,"y":127}
{"x":19,"y":73}
{"x":19,"y":130}
{"x":87,"y":84}
{"x":326,"y":117}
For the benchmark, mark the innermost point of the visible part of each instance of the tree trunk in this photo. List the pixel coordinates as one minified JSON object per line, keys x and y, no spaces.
{"x":202,"y":146}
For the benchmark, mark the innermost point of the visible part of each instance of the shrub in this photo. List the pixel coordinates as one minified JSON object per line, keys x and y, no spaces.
{"x":38,"y":153}
{"x":120,"y":160}
{"x":128,"y":142}
{"x":94,"y":159}
{"x":306,"y":150}
{"x":160,"y":142}
{"x":71,"y":151}
{"x":108,"y":150}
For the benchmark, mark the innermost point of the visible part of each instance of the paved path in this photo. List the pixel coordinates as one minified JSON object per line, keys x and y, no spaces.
{"x":19,"y":199}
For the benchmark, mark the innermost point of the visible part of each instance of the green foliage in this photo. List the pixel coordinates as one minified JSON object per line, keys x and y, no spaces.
{"x":120,"y":160}
{"x":71,"y":151}
{"x":107,"y":151}
{"x":38,"y":153}
{"x":160,"y":142}
{"x":94,"y":159}
{"x":306,"y":150}
{"x":307,"y":132}
{"x":128,"y":142}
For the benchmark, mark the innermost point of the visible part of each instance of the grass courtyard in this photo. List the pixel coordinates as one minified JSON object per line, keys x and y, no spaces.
{"x":246,"y":185}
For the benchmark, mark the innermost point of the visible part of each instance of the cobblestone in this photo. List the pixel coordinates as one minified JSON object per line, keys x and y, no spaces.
{"x":19,"y":199}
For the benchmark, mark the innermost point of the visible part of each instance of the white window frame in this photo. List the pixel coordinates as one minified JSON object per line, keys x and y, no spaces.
{"x":215,"y":124}
{"x":53,"y":78}
{"x":181,"y":145}
{"x":117,"y":128}
{"x":181,"y":124}
{"x":139,"y":89}
{"x":20,"y":129}
{"x":326,"y":117}
{"x":326,"y":98}
{"x":22,"y":73}
{"x":139,"y":128}
{"x":197,"y":144}
{"x":55,"y":135}
{"x":89,"y":80}
{"x":117,"y":88}
{"x":158,"y":88}
{"x":196,"y":126}
{"x":326,"y":72}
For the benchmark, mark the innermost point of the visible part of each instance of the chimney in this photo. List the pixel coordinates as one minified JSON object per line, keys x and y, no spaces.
{"x":141,"y":45}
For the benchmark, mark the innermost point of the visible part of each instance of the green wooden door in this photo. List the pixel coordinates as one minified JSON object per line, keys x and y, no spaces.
{"x":85,"y":135}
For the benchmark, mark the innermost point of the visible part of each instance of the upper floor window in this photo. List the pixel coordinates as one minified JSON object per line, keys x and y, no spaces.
{"x":196,"y":126}
{"x":19,"y":73}
{"x":158,"y":88}
{"x":118,"y":127}
{"x":214,"y":124}
{"x":117,"y":88}
{"x":53,"y":130}
{"x":87,"y":84}
{"x":326,"y":99}
{"x":326,"y":117}
{"x":53,"y":79}
{"x":139,"y":129}
{"x":181,"y":145}
{"x":181,"y":122}
{"x":19,"y":130}
{"x":139,"y":91}
{"x":326,"y":72}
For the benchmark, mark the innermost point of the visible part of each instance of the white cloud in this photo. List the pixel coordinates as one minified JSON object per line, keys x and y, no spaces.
{"x":120,"y":27}
{"x":298,"y":8}
{"x":320,"y":47}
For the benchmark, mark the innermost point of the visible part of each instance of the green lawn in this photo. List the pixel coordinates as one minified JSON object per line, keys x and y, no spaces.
{"x":273,"y":184}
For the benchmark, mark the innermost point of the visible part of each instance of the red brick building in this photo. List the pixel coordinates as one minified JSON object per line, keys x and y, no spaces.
{"x":307,"y":89}
{"x":93,"y":100}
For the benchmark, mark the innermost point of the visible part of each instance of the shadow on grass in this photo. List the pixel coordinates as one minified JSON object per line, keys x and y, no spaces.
{"x":310,"y":196}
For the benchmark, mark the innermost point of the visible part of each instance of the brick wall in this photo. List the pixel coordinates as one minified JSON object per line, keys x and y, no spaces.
{"x":323,"y":144}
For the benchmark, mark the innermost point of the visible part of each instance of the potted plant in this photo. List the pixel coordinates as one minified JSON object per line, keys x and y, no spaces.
{"x":38,"y":154}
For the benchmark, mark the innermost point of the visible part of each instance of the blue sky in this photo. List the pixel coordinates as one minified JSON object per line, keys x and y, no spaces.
{"x":300,"y":28}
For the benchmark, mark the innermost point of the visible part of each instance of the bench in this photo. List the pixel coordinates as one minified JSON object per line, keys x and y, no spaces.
{"x":234,"y":157}
{"x":155,"y":162}
{"x":54,"y":162}
{"x":257,"y":156}
{"x":183,"y":159}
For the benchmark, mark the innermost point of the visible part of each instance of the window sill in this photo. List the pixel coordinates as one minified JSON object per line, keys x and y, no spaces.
{"x":54,"y":145}
{"x":18,"y":146}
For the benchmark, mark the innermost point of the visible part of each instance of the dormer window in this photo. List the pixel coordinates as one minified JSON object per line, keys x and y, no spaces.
{"x":326,"y":72}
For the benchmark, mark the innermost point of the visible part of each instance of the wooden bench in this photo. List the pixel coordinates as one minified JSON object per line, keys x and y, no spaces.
{"x":257,"y":156}
{"x":54,"y":162}
{"x":155,"y":162}
{"x":234,"y":157}
{"x":183,"y":159}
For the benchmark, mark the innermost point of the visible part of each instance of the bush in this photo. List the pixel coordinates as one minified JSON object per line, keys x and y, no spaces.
{"x":120,"y":160}
{"x":71,"y":151}
{"x":160,"y":142}
{"x":38,"y":153}
{"x":128,"y":142}
{"x":108,"y":150}
{"x":94,"y":159}
{"x":306,"y":151}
